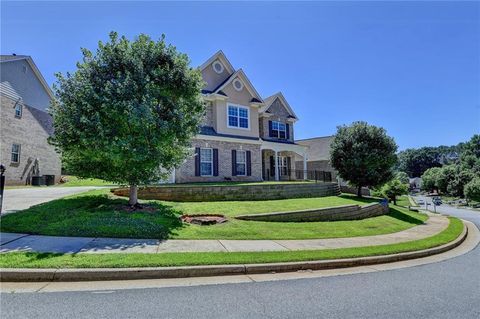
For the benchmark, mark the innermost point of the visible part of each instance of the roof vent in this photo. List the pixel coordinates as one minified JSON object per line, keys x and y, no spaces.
{"x":217,"y":67}
{"x":237,"y":84}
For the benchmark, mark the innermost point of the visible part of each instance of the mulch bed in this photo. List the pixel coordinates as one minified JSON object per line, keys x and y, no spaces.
{"x":204,"y":219}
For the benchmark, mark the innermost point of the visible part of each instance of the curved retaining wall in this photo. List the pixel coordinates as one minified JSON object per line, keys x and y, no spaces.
{"x":345,"y":212}
{"x":201,"y":193}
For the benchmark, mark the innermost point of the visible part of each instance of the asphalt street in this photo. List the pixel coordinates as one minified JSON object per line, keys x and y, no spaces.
{"x":448,"y":289}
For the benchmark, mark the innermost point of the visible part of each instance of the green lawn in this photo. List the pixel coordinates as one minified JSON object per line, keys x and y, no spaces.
{"x":98,"y":214}
{"x":403,"y":201}
{"x":72,"y":182}
{"x":50,"y":260}
{"x":75,"y":181}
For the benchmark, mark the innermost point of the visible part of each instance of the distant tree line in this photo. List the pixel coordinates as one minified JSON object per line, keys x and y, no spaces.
{"x":458,"y":177}
{"x":415,"y":162}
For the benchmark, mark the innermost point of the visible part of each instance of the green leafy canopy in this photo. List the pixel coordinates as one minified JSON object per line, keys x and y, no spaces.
{"x":363,"y":154}
{"x":129,"y":108}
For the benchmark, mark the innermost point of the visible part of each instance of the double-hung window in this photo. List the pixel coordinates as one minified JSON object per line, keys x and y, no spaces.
{"x":18,"y":110}
{"x":15,"y":153}
{"x":279,"y":130}
{"x":206,"y":162}
{"x":241,"y":163}
{"x":238,"y":117}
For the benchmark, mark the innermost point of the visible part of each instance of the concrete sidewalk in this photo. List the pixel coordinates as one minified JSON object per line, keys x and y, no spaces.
{"x":11,"y":242}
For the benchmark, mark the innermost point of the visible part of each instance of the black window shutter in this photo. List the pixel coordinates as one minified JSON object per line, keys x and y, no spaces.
{"x":272,"y":166}
{"x":215,"y":162}
{"x":234,"y":163}
{"x":270,"y":128}
{"x":249,"y":163}
{"x":287,"y":131}
{"x":197,"y":161}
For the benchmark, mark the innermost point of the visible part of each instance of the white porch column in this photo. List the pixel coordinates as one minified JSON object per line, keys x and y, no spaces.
{"x":305,"y":166}
{"x":277,"y":173}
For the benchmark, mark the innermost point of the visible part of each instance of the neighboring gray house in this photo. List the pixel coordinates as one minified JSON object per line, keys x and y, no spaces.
{"x":318,"y":159}
{"x":25,"y":123}
{"x":415,"y":183}
{"x":318,"y":154}
{"x":244,"y":137}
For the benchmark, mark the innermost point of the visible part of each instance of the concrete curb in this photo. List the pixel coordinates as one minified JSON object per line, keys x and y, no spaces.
{"x":99,"y":274}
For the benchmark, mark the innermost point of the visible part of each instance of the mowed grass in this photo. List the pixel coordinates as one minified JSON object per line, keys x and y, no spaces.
{"x":50,"y":260}
{"x":99,"y":214}
{"x":403,"y":201}
{"x":74,"y":181}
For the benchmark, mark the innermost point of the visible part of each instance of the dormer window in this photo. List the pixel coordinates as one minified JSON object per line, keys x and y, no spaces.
{"x":238,"y":117}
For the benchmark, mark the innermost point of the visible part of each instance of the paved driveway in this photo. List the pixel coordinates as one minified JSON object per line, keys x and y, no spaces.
{"x":23,"y":198}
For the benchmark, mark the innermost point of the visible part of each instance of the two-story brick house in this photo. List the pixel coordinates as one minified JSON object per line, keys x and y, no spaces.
{"x":244,"y":137}
{"x":25,"y":124}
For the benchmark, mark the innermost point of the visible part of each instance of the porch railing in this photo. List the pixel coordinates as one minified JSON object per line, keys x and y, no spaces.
{"x":297,"y":174}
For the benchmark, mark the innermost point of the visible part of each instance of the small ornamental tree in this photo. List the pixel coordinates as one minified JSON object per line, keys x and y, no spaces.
{"x":394,"y":188}
{"x":472,"y":190}
{"x":403,"y":177}
{"x":128,"y":112}
{"x":363,"y":154}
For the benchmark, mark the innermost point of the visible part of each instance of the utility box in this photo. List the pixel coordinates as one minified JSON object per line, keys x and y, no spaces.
{"x":38,"y":180}
{"x":49,"y":180}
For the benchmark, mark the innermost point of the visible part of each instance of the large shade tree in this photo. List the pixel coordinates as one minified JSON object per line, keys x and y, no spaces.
{"x":128,"y":112}
{"x":364,"y":155}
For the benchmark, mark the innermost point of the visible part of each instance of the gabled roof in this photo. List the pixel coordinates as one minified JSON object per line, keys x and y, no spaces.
{"x":218,"y":56}
{"x":240,"y":74}
{"x":11,"y":58}
{"x":269,"y":101}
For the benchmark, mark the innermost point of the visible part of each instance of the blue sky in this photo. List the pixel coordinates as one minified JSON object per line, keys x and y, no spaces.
{"x":410,"y":67}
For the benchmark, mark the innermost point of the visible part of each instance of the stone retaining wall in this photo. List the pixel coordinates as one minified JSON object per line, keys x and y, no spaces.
{"x":199,"y":193}
{"x":345,"y":212}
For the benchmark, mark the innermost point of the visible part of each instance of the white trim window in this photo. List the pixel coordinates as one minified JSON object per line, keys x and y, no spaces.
{"x":241,"y":163}
{"x":238,"y":117}
{"x":15,"y":158}
{"x":206,"y":162}
{"x":279,"y":130}
{"x":18,"y":110}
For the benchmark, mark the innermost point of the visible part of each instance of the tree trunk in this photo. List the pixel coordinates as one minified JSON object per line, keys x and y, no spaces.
{"x":359,"y":191}
{"x":394,"y":200}
{"x":133,"y":196}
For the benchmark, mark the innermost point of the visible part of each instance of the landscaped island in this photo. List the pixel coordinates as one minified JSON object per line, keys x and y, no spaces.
{"x":99,"y":214}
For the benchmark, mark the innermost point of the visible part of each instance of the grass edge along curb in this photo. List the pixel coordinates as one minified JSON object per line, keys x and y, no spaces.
{"x":448,"y":239}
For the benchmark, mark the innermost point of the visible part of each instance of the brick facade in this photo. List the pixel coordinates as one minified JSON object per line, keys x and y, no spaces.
{"x":186,"y":172}
{"x":31,"y":133}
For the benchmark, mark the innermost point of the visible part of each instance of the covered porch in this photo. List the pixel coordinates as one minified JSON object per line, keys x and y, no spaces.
{"x":284,"y":161}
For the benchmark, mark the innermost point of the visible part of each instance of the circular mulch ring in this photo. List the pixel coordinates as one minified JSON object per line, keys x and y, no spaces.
{"x":204,"y":219}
